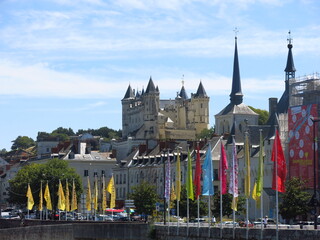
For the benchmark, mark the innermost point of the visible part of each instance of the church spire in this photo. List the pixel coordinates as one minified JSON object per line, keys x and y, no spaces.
{"x":236,"y":95}
{"x":290,"y":69}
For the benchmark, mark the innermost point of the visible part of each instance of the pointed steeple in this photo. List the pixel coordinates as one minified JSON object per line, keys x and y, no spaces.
{"x":129,"y":93}
{"x":290,"y":69}
{"x":201,"y":92}
{"x":150,"y":88}
{"x":236,"y":95}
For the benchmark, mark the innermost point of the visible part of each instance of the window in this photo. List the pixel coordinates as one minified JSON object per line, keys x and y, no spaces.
{"x":48,"y":150}
{"x":95,"y":174}
{"x":124,"y":178}
{"x":215,"y":174}
{"x":86,"y":173}
{"x":120,"y":178}
{"x":116,"y":179}
{"x":103,"y":172}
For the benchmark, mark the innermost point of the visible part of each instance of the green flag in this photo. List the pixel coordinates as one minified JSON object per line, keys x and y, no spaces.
{"x":247,"y":166}
{"x":189,"y":183}
{"x":260,"y":169}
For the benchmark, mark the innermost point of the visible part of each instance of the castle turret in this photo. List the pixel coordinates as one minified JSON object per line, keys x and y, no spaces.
{"x":200,"y":103}
{"x":126,"y":105}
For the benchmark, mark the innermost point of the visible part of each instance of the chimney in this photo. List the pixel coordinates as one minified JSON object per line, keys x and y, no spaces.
{"x":272,"y":106}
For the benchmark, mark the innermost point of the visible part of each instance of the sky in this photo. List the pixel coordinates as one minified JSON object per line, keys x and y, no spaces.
{"x":66,"y":63}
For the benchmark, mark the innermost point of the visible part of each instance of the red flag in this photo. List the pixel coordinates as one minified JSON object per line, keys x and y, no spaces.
{"x":197,"y":178}
{"x":223,"y":170}
{"x":279,"y":165}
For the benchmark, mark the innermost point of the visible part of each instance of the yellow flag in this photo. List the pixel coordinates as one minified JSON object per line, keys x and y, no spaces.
{"x":104,"y":194}
{"x":61,"y":198}
{"x":88,"y":196}
{"x":47,"y":197}
{"x":178,"y":177}
{"x":30,"y":201}
{"x":40,"y":199}
{"x":173,"y":195}
{"x":111,"y":190}
{"x":234,"y":204}
{"x":255,"y":195}
{"x":67,"y":197}
{"x":95,"y":200}
{"x":74,"y":202}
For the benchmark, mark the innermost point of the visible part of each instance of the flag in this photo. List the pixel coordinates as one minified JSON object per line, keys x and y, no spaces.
{"x":74,"y":201}
{"x":178,"y":177}
{"x":104,"y":194}
{"x":279,"y":165}
{"x":40,"y":198}
{"x":207,"y":174}
{"x":96,"y":193}
{"x":247,"y":180}
{"x":260,"y":168}
{"x":168,"y":180}
{"x":173,"y":195}
{"x":30,"y":201}
{"x":189,"y":184}
{"x":233,"y":188}
{"x":197,"y":177}
{"x":112,"y":191}
{"x":61,"y":198}
{"x":47,"y":197}
{"x":88,"y":195}
{"x":255,"y":194}
{"x":223,"y":170}
{"x":67,"y":197}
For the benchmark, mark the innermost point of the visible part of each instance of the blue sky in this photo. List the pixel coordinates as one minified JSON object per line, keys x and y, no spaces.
{"x":68,"y":63}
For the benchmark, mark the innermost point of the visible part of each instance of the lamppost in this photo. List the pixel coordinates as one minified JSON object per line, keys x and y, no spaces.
{"x":315,"y":199}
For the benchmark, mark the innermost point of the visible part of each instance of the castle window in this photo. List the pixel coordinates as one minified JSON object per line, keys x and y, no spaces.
{"x":201,"y":105}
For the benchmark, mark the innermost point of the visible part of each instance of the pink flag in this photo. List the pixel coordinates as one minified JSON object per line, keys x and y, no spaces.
{"x":197,"y":178}
{"x":223,"y":170}
{"x":280,"y":175}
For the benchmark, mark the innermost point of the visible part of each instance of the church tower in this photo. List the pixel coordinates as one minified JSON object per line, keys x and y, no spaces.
{"x":127,"y":102}
{"x":236,"y":116}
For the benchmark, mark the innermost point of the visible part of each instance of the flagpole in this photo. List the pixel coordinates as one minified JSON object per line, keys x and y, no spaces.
{"x":248,"y":181}
{"x":187,"y":216}
{"x":221,"y":177}
{"x":261,"y":196}
{"x":209,"y":214}
{"x":277,"y":194}
{"x":198,"y":207}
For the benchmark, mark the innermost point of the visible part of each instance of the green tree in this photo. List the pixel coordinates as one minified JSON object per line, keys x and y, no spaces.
{"x":294,"y":200}
{"x":226,"y":205}
{"x":51,"y":172}
{"x":193,"y":205}
{"x":263,"y":115}
{"x":145,"y":197}
{"x":60,"y":130}
{"x":105,"y":132}
{"x":206,"y":133}
{"x":22,"y":142}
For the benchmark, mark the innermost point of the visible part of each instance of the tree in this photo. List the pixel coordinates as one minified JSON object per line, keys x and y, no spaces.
{"x":22,"y":142}
{"x":206,"y":133}
{"x":34,"y":173}
{"x":263,"y":115}
{"x":145,"y":197}
{"x":193,"y":205}
{"x":60,"y":130}
{"x":295,"y":200}
{"x":226,"y":204}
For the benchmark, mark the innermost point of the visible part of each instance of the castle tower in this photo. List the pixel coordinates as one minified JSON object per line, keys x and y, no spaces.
{"x":151,"y":109}
{"x":126,"y":106}
{"x":200,"y":103}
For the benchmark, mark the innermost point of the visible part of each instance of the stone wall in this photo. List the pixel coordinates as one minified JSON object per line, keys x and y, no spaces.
{"x":78,"y":231}
{"x":202,"y":233}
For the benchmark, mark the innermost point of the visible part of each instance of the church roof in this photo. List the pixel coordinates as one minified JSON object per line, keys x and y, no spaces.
{"x":150,"y":88}
{"x":129,"y":93}
{"x":236,"y":109}
{"x":236,"y":95}
{"x":201,"y":92}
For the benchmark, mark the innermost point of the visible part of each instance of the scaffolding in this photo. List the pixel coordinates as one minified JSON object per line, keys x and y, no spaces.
{"x":304,"y":90}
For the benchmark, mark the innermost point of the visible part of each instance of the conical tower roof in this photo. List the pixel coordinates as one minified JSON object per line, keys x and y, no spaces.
{"x":129,"y":93}
{"x":150,"y":88}
{"x":183,"y":93}
{"x":201,"y":92}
